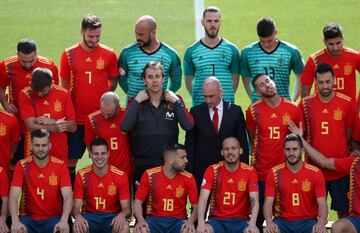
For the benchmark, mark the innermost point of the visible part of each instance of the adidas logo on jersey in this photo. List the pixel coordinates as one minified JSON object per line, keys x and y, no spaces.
{"x":336,"y":66}
{"x":325,"y":111}
{"x":168,"y":187}
{"x":112,"y":126}
{"x":88,"y":59}
{"x":230,"y":181}
{"x":101,"y":185}
{"x":273,"y":115}
{"x":41,"y":175}
{"x":45,"y":103}
{"x":294,"y":181}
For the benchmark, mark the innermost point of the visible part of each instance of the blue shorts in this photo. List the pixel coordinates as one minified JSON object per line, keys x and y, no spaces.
{"x":76,"y":143}
{"x":99,"y":222}
{"x":298,"y":226}
{"x":165,"y":224}
{"x":39,"y":226}
{"x":338,"y":190}
{"x":355,"y":221}
{"x":19,"y":154}
{"x":228,"y":225}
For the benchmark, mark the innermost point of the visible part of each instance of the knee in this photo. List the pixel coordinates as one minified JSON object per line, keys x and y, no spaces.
{"x":338,"y":227}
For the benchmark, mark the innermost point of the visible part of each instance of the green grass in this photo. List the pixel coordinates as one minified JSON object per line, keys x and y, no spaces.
{"x":55,"y":25}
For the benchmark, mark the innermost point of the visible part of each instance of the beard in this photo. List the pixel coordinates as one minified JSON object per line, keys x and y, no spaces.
{"x":212,"y":36}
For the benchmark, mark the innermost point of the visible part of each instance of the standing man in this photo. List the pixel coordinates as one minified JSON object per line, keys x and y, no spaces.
{"x":9,"y":138}
{"x":134,"y":57}
{"x":211,"y":56}
{"x":45,"y":187}
{"x":101,"y":191}
{"x":87,"y":70}
{"x":232,"y":188}
{"x":344,"y":62}
{"x":328,"y":116}
{"x":105,"y":123}
{"x":349,"y":165}
{"x":274,"y":57}
{"x":47,"y":106}
{"x":167,"y":189}
{"x":267,"y":125}
{"x":4,"y":204}
{"x":152,"y":119}
{"x":15,"y":75}
{"x":215,"y":120}
{"x":296,"y":192}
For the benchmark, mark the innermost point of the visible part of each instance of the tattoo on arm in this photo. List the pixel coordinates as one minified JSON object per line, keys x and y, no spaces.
{"x":252,"y":202}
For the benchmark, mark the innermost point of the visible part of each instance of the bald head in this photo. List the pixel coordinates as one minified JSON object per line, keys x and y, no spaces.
{"x":109,"y":104}
{"x":148,"y":21}
{"x":212,"y":92}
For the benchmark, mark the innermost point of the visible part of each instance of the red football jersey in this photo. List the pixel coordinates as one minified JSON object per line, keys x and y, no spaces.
{"x":351,"y":165}
{"x":87,"y":75}
{"x":270,"y":127}
{"x":326,"y":123}
{"x":41,"y":187}
{"x":295,"y":193}
{"x":166,"y":197}
{"x":16,"y":78}
{"x":4,"y":183}
{"x":55,"y":105}
{"x":101,"y":194}
{"x":9,"y":133}
{"x":119,"y":142}
{"x":344,"y":67}
{"x":229,"y":191}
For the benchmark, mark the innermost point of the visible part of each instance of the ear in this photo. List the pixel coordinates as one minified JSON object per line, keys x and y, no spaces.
{"x":222,"y":153}
{"x":202,"y":22}
{"x":82,"y":31}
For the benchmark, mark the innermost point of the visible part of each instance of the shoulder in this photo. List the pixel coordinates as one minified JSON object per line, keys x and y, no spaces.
{"x":192,"y":47}
{"x":116,"y":171}
{"x":57,"y":161}
{"x":245,"y":166}
{"x":278,"y":168}
{"x":106,"y":48}
{"x":85,"y":170}
{"x":153,"y":170}
{"x":76,"y":46}
{"x":232,"y":107}
{"x":343,"y":97}
{"x":289,"y":102}
{"x":288,"y":46}
{"x":45,"y":60}
{"x":351,"y":51}
{"x":311,"y":168}
{"x":60,"y":89}
{"x":26,"y":91}
{"x":168,"y":49}
{"x":251,"y":46}
{"x":199,"y":108}
{"x":10,"y":60}
{"x":24,"y":162}
{"x":94,"y":114}
{"x":229,"y":44}
{"x":129,"y":48}
{"x":3,"y":112}
{"x":257,"y":103}
{"x":318,"y":53}
{"x":186,"y":175}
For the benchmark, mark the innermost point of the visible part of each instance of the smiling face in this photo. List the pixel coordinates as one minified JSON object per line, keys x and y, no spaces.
{"x":99,"y":155}
{"x":325,"y":83}
{"x":91,"y":37}
{"x":231,"y":151}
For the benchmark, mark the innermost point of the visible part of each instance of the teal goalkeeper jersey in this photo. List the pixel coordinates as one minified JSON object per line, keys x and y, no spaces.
{"x":276,"y":64}
{"x":133,"y":60}
{"x":221,"y":61}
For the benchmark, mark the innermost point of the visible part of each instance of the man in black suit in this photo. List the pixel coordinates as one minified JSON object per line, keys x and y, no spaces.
{"x":215,"y":120}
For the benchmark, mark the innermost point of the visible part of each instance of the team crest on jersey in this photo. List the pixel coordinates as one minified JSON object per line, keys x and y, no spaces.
{"x":2,"y":130}
{"x":347,"y":69}
{"x":285,"y":119}
{"x":100,"y":64}
{"x":223,"y":56}
{"x":242,"y":185}
{"x":53,"y":180}
{"x":338,"y":115}
{"x":162,"y":61}
{"x":306,"y":186}
{"x":112,"y":189}
{"x":179,"y":191}
{"x":280,"y":61}
{"x":57,"y":106}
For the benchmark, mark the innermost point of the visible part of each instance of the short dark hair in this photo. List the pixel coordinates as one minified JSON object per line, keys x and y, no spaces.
{"x":332,"y":30}
{"x":256,"y":78}
{"x":265,"y":27}
{"x":40,"y":133}
{"x":26,"y":46}
{"x":153,"y":65}
{"x":323,"y":68}
{"x":173,"y":147}
{"x":213,"y":9}
{"x":98,"y":142}
{"x":293,"y":138}
{"x":91,"y":21}
{"x":41,"y":78}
